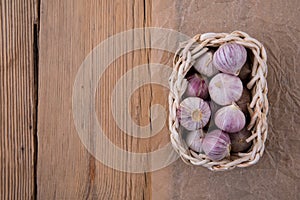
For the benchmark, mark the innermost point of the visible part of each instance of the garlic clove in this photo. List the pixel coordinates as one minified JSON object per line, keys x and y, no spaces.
{"x":197,"y":87}
{"x":230,"y":58}
{"x":193,"y":113}
{"x":216,"y":145}
{"x":204,"y":65}
{"x":230,"y":119}
{"x":238,"y":140}
{"x":194,"y":140}
{"x":225,"y":89}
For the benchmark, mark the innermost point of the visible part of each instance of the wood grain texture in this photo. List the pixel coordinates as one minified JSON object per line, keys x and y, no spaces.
{"x":17,"y":98}
{"x":69,"y":31}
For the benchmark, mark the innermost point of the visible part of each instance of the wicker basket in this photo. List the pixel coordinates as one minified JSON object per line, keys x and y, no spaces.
{"x":258,"y":108}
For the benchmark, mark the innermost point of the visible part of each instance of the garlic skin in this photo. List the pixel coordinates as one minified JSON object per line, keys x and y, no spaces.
{"x":230,"y":119}
{"x":194,"y":140}
{"x":197,"y":87}
{"x":230,"y":58}
{"x":238,"y":141}
{"x":244,"y":101}
{"x":245,"y":73}
{"x":216,"y":145}
{"x":225,"y":89}
{"x":193,"y":113}
{"x":204,"y":65}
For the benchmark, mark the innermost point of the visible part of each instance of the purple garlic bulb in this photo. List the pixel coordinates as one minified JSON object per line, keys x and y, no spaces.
{"x":238,"y":141}
{"x":194,"y":140}
{"x":193,"y":113}
{"x":204,"y":65}
{"x":225,"y":89}
{"x":230,"y":58}
{"x":216,"y":145}
{"x":230,"y":119}
{"x":245,"y":73}
{"x":244,"y":101}
{"x":197,"y":87}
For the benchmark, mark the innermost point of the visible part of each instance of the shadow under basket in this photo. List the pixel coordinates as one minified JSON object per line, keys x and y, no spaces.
{"x":184,"y":59}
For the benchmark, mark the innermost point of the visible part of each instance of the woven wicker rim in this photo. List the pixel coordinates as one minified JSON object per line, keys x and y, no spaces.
{"x":184,"y":58}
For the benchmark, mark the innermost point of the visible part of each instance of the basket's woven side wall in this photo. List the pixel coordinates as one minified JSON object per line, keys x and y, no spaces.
{"x":258,"y":108}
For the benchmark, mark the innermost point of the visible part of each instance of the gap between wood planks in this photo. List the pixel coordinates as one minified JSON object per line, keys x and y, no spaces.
{"x":36,"y":31}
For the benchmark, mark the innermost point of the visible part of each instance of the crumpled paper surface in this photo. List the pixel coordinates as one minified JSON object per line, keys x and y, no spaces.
{"x":276,"y":24}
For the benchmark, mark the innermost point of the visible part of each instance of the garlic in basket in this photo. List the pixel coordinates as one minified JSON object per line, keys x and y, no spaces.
{"x":225,"y":89}
{"x":197,"y":87}
{"x":204,"y":65}
{"x":216,"y":145}
{"x":238,"y":140}
{"x":194,"y":140}
{"x":245,"y":73}
{"x":193,"y":113}
{"x":230,"y":119}
{"x":230,"y":58}
{"x":244,"y":101}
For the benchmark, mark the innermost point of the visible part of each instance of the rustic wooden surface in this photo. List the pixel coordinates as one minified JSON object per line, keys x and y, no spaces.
{"x":69,"y":31}
{"x":18,"y":22}
{"x":43,"y":43}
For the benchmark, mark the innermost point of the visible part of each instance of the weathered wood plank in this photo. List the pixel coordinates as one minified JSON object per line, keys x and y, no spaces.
{"x":69,"y":31}
{"x":17,"y":98}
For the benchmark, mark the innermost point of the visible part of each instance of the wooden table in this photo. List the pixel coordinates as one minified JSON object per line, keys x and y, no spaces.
{"x":44,"y":43}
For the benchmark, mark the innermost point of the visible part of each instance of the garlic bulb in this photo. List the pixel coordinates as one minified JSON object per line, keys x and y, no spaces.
{"x":244,"y":101}
{"x":245,"y":73}
{"x":194,"y":140}
{"x":193,"y":113}
{"x":230,"y":119}
{"x":238,"y":140}
{"x":216,"y":145}
{"x":204,"y":65}
{"x":197,"y":87}
{"x":225,"y":89}
{"x":230,"y":58}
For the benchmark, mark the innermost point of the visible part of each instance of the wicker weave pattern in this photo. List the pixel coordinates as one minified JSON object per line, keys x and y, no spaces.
{"x":258,"y":108}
